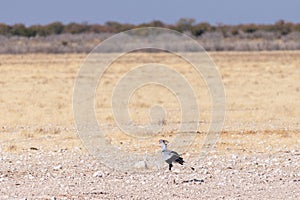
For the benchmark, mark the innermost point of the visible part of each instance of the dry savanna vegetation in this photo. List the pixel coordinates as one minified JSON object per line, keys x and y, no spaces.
{"x":257,"y":152}
{"x":83,"y":37}
{"x":261,"y":92}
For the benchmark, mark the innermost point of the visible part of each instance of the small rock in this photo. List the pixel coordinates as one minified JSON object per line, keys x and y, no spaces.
{"x":97,"y":174}
{"x":194,"y":180}
{"x":58,"y":167}
{"x":62,"y":150}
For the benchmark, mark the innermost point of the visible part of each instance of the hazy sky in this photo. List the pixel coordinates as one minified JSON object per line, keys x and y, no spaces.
{"x":138,"y":11}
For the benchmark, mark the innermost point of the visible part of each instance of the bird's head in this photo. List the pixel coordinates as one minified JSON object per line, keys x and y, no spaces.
{"x":161,"y":141}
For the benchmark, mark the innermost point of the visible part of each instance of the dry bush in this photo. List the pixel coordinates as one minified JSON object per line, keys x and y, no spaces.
{"x":211,"y":41}
{"x":257,"y":41}
{"x":63,"y":43}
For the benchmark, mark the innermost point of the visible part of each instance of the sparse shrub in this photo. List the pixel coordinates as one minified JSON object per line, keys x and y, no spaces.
{"x":184,"y":24}
{"x":19,"y":30}
{"x":4,"y":29}
{"x":297,"y":27}
{"x":75,"y":28}
{"x":55,"y":28}
{"x":282,"y":27}
{"x":201,"y":28}
{"x":156,"y":23}
{"x":250,"y":28}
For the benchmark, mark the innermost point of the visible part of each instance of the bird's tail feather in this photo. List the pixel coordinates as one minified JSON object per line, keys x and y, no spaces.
{"x":180,"y":160}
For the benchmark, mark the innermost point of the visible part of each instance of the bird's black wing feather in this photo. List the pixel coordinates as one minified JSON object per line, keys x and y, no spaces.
{"x":179,"y":159}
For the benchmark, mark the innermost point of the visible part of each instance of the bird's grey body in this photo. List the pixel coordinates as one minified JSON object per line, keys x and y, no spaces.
{"x":170,"y":156}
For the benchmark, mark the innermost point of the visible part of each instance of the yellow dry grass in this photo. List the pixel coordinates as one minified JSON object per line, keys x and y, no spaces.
{"x":262,"y":98}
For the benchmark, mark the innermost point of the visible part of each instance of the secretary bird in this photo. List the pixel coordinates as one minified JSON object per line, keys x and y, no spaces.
{"x":170,"y":156}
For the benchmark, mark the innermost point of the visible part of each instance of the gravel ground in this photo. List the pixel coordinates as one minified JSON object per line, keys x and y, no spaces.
{"x":73,"y":174}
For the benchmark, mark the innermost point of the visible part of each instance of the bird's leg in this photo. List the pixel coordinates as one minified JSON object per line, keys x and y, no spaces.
{"x":170,"y":167}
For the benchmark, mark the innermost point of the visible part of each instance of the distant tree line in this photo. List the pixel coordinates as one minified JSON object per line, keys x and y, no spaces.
{"x":186,"y":25}
{"x":57,"y":37}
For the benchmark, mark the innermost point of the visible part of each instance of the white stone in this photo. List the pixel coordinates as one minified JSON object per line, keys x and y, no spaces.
{"x":58,"y":167}
{"x":97,"y":174}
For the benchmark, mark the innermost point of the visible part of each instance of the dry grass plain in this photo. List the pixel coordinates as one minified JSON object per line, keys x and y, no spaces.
{"x":262,"y":108}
